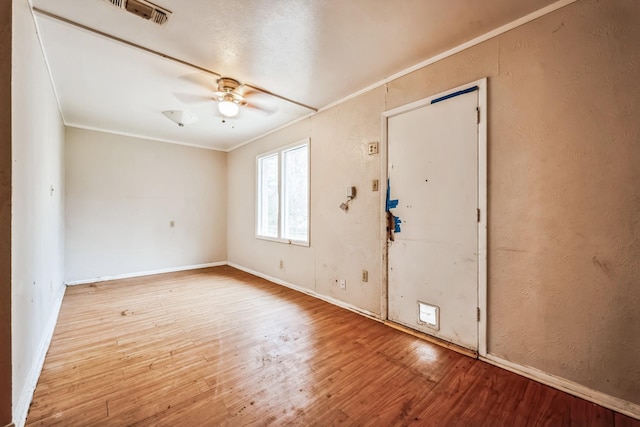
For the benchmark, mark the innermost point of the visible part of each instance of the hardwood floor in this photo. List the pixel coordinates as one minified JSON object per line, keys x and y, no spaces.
{"x":220,"y":347}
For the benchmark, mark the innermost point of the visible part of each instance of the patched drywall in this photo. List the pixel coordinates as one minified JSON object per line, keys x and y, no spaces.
{"x":37,"y":208}
{"x":135,"y":205}
{"x":563,"y":150}
{"x":5,"y":213}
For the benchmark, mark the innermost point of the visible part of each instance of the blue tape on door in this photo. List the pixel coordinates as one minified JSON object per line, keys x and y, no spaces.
{"x":454,"y":94}
{"x":397,"y":221}
{"x":390,"y":203}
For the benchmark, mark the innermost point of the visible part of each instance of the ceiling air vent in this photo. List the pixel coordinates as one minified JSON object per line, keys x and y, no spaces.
{"x":144,"y":9}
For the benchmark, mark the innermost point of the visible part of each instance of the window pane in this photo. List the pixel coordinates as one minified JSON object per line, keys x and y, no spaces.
{"x":296,"y":193}
{"x":268,"y":196}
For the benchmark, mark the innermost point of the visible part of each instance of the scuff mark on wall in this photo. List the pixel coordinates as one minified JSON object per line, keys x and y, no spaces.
{"x":559,"y":28}
{"x":507,"y":249}
{"x":603,"y":266}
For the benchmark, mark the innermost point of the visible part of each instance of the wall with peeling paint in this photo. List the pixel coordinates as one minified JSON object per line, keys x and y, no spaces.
{"x":564,"y":210}
{"x":37,"y":208}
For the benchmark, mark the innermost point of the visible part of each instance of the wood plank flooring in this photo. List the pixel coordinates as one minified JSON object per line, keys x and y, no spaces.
{"x":219,"y":347}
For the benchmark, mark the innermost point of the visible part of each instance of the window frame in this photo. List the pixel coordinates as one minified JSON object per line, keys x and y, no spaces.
{"x":281,"y":173}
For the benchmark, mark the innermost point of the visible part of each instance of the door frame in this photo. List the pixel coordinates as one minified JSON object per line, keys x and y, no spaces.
{"x":482,"y":201}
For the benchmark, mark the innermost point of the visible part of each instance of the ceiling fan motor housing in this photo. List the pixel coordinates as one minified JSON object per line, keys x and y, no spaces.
{"x":227,"y":90}
{"x":226,"y":84}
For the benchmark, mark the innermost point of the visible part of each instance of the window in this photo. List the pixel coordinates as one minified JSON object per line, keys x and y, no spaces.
{"x":283,"y":195}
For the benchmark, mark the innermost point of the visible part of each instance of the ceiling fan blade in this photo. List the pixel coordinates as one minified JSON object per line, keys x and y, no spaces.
{"x":256,"y":94}
{"x":189,"y":98}
{"x":260,"y":101}
{"x":201,"y":80}
{"x":266,"y":111}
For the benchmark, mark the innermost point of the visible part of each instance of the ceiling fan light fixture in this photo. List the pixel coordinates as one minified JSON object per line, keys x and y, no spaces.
{"x":228,"y":108}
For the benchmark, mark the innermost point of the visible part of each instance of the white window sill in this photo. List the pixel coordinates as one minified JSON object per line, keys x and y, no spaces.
{"x":285,"y":241}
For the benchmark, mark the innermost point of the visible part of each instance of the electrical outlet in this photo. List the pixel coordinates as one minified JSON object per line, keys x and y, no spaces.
{"x":172,"y":224}
{"x":343,"y":284}
{"x":374,"y":185}
{"x":281,"y":264}
{"x":373,"y":148}
{"x":365,"y":276}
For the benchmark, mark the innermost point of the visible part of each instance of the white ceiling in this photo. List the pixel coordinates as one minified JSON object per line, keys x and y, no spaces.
{"x":315,"y":52}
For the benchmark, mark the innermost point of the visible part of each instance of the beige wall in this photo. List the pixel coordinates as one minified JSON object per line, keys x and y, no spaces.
{"x":342,"y":244}
{"x":37,"y":208}
{"x":5,"y":213}
{"x":563,"y":150}
{"x":122,"y":194}
{"x":565,"y":231}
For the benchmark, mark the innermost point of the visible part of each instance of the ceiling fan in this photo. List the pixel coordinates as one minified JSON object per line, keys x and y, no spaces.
{"x":229,"y":100}
{"x":231,"y":96}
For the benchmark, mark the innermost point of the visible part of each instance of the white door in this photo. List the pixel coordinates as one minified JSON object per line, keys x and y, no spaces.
{"x":433,"y":258}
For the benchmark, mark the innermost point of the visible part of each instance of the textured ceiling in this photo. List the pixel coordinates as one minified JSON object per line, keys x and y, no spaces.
{"x":315,"y":52}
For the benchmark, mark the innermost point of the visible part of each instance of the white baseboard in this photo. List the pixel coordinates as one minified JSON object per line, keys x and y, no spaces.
{"x":308,"y":292}
{"x":144,"y":273}
{"x":578,"y":390}
{"x":21,"y":408}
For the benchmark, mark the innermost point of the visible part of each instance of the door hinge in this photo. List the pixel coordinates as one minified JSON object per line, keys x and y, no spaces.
{"x":478,"y":314}
{"x":478,"y":213}
{"x":478,"y":115}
